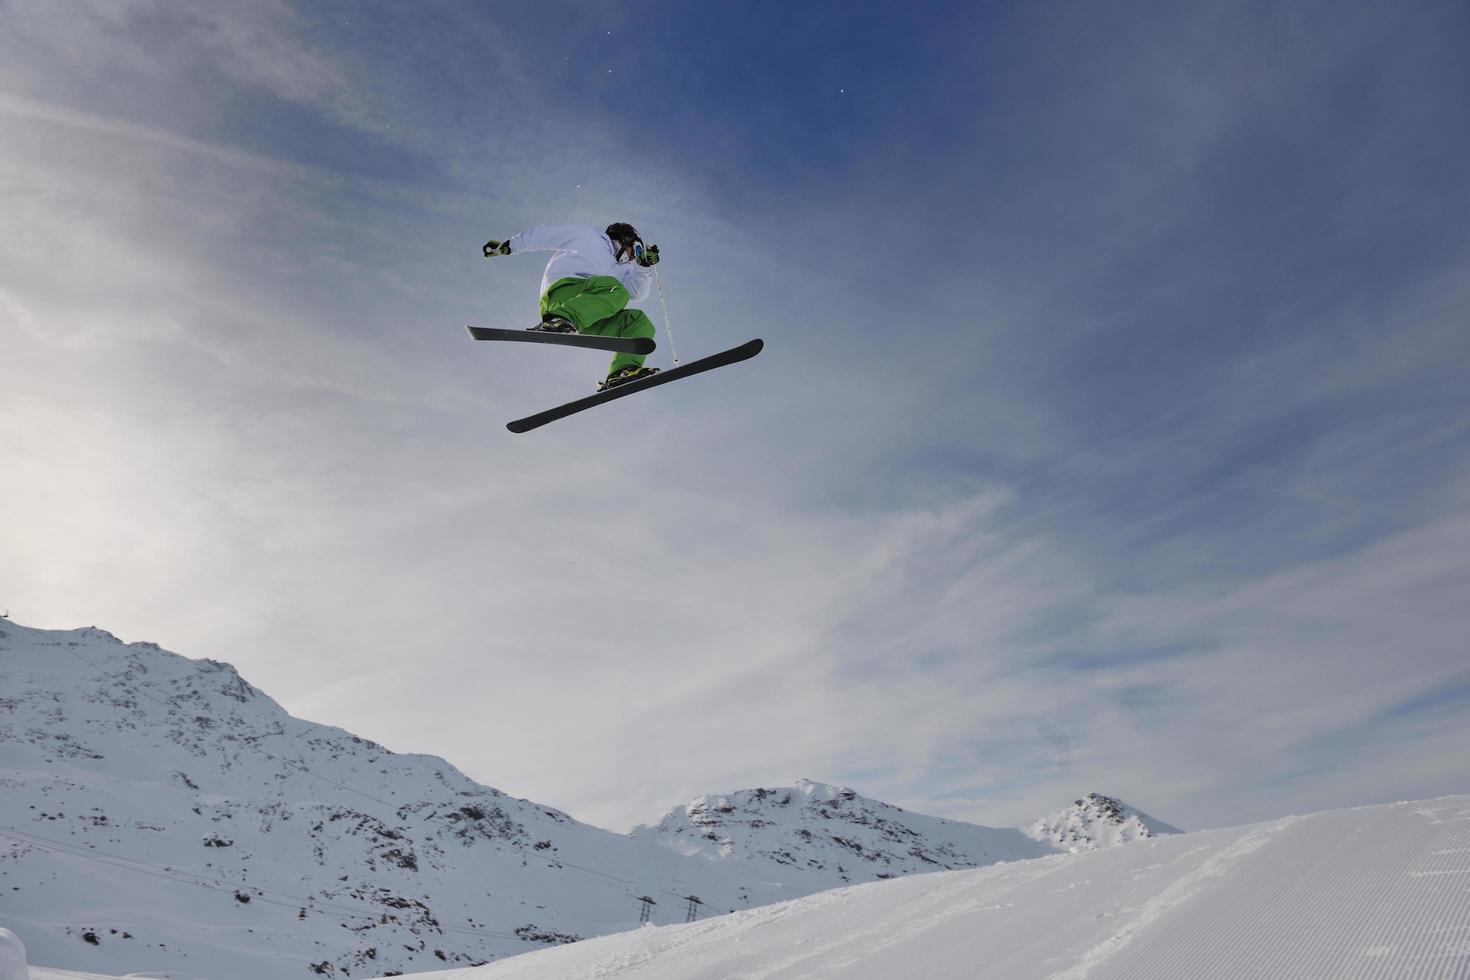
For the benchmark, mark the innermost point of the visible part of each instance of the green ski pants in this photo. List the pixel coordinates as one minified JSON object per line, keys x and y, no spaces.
{"x":597,"y":305}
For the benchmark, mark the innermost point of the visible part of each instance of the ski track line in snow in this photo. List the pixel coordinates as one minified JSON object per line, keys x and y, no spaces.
{"x":838,"y":956}
{"x":817,"y":952}
{"x":1327,"y":917}
{"x":1336,"y":899}
{"x":1441,"y":949}
{"x":1237,"y":923}
{"x":1181,"y":891}
{"x":832,"y":955}
{"x":1388,"y":946}
{"x":1336,"y":915}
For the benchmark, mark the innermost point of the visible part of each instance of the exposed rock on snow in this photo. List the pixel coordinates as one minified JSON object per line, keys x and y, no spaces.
{"x":1096,"y":821}
{"x":831,"y":833}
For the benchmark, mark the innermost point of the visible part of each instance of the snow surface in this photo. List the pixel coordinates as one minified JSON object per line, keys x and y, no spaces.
{"x":161,"y":814}
{"x":1374,"y":892}
{"x":12,"y":957}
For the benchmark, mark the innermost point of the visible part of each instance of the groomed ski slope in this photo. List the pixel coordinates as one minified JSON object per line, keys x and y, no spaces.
{"x":1374,"y":892}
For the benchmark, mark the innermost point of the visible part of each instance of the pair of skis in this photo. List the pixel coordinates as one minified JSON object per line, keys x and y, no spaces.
{"x":629,"y":345}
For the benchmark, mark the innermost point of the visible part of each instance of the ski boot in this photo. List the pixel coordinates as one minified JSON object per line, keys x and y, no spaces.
{"x":624,"y":376}
{"x":550,"y":323}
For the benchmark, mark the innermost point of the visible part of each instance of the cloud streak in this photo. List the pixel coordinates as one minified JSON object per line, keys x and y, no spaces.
{"x":1100,"y":443}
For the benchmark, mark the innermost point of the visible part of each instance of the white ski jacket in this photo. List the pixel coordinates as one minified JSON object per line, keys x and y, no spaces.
{"x":582,"y":252}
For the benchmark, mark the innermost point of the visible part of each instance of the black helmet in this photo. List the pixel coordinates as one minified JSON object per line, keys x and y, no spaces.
{"x":624,"y":234}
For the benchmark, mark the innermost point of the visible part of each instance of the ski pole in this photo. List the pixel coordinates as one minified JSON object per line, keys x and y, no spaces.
{"x":668,"y":328}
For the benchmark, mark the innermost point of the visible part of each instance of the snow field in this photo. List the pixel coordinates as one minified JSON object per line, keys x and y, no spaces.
{"x":12,"y":957}
{"x":1361,"y":894}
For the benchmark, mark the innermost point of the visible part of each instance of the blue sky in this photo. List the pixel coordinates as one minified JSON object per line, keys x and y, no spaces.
{"x":1110,"y":434}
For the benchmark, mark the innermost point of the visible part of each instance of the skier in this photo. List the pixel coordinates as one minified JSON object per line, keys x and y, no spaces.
{"x":589,"y":282}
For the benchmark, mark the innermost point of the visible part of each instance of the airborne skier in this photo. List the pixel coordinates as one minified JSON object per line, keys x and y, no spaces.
{"x":586,"y":295}
{"x":589,"y":283}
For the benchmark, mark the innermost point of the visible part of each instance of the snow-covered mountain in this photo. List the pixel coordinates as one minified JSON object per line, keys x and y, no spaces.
{"x":1372,"y":893}
{"x":828,"y":836}
{"x":1096,"y":821}
{"x":160,"y":813}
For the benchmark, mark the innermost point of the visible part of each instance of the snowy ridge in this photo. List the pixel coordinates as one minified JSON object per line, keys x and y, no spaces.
{"x":832,"y":834}
{"x":161,"y":814}
{"x":1096,"y":821}
{"x":145,"y":797}
{"x":1370,"y":893}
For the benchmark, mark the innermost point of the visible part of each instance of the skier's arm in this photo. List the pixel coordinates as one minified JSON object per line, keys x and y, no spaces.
{"x":637,"y":280}
{"x":552,"y":238}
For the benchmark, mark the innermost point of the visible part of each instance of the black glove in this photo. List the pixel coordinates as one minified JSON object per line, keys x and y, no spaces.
{"x":649,"y":256}
{"x":494,"y":247}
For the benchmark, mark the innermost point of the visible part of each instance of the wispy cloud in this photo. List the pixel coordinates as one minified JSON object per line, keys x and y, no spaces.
{"x":1100,"y":443}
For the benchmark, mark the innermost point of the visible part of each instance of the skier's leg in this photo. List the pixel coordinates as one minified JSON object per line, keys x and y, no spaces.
{"x":625,"y":323}
{"x":584,"y":301}
{"x":597,"y":306}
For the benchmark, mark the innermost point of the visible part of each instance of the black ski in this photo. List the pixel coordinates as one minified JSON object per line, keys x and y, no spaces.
{"x":624,"y":345}
{"x":733,"y":355}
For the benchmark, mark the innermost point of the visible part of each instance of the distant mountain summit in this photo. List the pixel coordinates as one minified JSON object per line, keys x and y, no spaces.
{"x":1096,"y":821}
{"x":831,"y":834}
{"x":156,"y":809}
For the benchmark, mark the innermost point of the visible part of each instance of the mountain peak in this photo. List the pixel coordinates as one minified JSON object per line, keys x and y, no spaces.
{"x":1096,"y":821}
{"x":184,"y":773}
{"x":830,"y":834}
